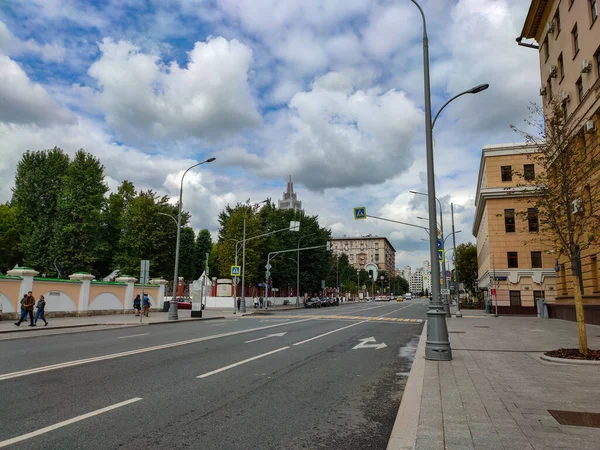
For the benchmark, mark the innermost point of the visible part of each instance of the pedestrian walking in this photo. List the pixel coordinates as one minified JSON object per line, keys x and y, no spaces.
{"x":239,"y":303}
{"x":146,"y":304}
{"x":260,"y":302}
{"x":137,"y":305}
{"x":27,"y":304}
{"x":41,"y":306}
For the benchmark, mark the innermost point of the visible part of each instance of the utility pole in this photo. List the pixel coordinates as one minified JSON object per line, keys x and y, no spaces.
{"x":457,"y":280}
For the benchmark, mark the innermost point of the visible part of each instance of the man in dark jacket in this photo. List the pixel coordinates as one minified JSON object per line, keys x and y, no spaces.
{"x":28,"y":304}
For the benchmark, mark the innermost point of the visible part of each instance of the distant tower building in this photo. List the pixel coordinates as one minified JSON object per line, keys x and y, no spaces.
{"x":289,"y":200}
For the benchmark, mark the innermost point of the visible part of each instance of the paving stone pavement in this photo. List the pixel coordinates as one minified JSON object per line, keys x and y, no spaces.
{"x":496,"y":392}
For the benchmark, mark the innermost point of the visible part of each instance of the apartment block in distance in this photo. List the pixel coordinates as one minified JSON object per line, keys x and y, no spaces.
{"x":367,"y":249}
{"x":568,"y":35}
{"x":511,"y":256}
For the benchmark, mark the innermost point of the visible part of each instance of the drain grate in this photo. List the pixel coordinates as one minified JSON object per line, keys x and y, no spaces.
{"x":576,"y":418}
{"x":481,"y":326}
{"x":457,"y":332}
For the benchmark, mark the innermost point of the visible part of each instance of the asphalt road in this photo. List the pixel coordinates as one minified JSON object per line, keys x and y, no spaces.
{"x":324,"y":381}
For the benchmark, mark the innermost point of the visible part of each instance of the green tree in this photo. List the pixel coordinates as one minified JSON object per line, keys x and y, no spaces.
{"x":10,"y":237}
{"x":187,"y":254}
{"x":77,"y":240}
{"x":202,"y":246}
{"x":112,"y":219}
{"x":466,"y":261}
{"x":213,"y":261}
{"x":566,"y":193}
{"x":38,"y":181}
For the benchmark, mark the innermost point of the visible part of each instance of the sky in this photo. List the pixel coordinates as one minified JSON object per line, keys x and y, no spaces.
{"x":330,"y":93}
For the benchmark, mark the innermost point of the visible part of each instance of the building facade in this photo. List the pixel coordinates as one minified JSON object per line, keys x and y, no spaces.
{"x":568,"y":35}
{"x":415,"y":282}
{"x":290,"y":199}
{"x":366,"y":249}
{"x":514,"y":265}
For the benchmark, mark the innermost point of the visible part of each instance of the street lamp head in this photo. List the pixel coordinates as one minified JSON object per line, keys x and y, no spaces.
{"x":477,"y":89}
{"x":210,"y":160}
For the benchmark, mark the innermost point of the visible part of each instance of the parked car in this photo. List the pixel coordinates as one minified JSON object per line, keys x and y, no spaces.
{"x":312,"y":302}
{"x":324,"y":301}
{"x":331,"y":301}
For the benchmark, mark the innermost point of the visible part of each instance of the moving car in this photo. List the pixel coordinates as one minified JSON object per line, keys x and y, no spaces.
{"x":312,"y":302}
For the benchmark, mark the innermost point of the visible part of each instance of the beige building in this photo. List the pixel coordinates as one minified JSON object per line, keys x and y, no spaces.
{"x":511,"y":254}
{"x":568,"y":35}
{"x":367,"y":249}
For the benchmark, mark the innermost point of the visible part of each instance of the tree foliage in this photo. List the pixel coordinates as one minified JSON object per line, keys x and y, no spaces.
{"x":566,"y":192}
{"x":466,"y":261}
{"x":10,"y":237}
{"x":202,"y":246}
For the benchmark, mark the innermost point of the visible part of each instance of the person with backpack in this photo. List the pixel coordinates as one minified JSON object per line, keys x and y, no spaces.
{"x":41,"y":306}
{"x":146,"y":303}
{"x":137,"y":305}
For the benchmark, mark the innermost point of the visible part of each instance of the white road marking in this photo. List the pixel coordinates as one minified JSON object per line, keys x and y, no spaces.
{"x":66,"y":422}
{"x":363,"y":344}
{"x":134,"y":335}
{"x":266,"y":337}
{"x":78,"y":362}
{"x":239,"y":363}
{"x":330,"y":332}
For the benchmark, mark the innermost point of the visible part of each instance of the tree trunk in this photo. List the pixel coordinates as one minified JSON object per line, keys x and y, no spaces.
{"x":578,"y":291}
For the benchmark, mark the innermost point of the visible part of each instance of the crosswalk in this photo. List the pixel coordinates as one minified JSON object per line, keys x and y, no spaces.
{"x":329,"y":317}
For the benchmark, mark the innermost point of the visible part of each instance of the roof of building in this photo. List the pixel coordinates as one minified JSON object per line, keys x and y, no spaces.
{"x":368,"y":236}
{"x":534,"y":18}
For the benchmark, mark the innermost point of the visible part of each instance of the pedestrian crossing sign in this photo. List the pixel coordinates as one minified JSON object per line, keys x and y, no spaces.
{"x":360,"y":213}
{"x":235,"y":271}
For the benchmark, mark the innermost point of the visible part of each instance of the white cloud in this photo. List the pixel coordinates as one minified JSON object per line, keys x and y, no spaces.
{"x":209,"y":98}
{"x":12,"y":46}
{"x":22,"y":101}
{"x":336,"y":136}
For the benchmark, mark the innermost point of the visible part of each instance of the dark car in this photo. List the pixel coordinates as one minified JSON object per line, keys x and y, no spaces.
{"x":312,"y":302}
{"x":331,"y":301}
{"x":324,"y":301}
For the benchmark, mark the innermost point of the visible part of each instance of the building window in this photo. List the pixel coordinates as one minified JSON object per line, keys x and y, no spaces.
{"x":515,"y":298}
{"x":538,"y":294}
{"x":509,"y":220}
{"x":588,"y":199}
{"x":506,"y":173}
{"x":575,"y":39}
{"x":561,"y":66}
{"x":533,"y":220}
{"x":513,"y":260}
{"x":529,"y":172}
{"x":549,"y":88}
{"x":597,"y":58}
{"x":579,"y":85}
{"x":557,"y":21}
{"x":536,"y":260}
{"x":546,"y":49}
{"x":564,"y":110}
{"x":593,"y":10}
{"x":594,"y":261}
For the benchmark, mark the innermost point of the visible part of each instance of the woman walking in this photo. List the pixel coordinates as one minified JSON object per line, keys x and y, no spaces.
{"x":137,"y":305}
{"x":146,"y":305}
{"x":41,"y":306}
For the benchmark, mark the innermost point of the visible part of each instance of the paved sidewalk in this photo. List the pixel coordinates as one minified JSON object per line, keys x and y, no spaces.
{"x":496,"y":392}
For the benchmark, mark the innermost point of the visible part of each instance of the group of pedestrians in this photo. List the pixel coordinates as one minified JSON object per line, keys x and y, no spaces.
{"x":138,"y":302}
{"x":27,"y":306}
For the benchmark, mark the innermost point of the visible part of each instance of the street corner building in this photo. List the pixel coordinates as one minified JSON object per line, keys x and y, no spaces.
{"x":365,"y":250}
{"x":514,"y":267}
{"x":568,"y":36}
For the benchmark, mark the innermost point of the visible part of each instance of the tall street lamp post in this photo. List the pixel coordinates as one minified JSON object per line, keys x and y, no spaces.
{"x":438,"y":346}
{"x":173,"y":314}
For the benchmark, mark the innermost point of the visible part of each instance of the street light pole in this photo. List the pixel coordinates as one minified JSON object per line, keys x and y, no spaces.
{"x":357,"y":283}
{"x":438,"y":346}
{"x":457,"y":280}
{"x":173,"y":314}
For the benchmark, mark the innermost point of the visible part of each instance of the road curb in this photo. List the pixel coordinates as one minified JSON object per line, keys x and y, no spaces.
{"x":59,"y":327}
{"x":583,"y":362}
{"x":404,"y":433}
